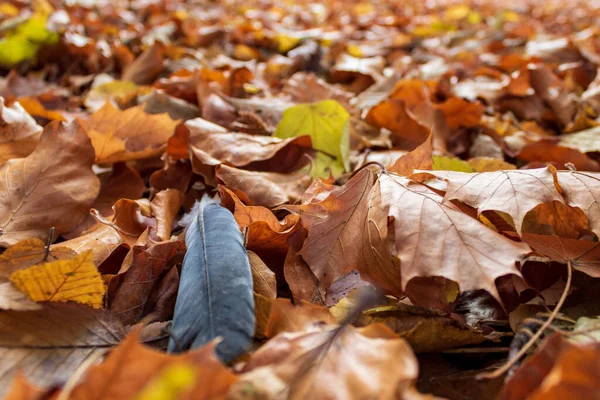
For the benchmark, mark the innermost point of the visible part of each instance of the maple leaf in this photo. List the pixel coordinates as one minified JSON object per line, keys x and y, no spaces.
{"x":56,"y":178}
{"x":75,"y":280}
{"x":128,"y":135}
{"x":512,"y":192}
{"x":468,"y":252}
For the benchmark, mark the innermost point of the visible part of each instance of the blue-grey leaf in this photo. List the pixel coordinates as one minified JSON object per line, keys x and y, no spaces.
{"x":215,"y":297}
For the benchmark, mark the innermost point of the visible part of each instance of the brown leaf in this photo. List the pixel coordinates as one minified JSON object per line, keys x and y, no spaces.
{"x":103,"y":240}
{"x":559,"y":370}
{"x":419,"y":158}
{"x":581,"y":190}
{"x":128,"y":135}
{"x":130,"y":218}
{"x":144,"y":69}
{"x":368,"y":363}
{"x":131,"y":366}
{"x":333,"y":245}
{"x":287,"y":317}
{"x":131,"y":289}
{"x":394,"y":115}
{"x":258,"y":153}
{"x":583,"y":254}
{"x":461,"y":113}
{"x":512,"y":192}
{"x":174,"y":175}
{"x":468,"y":252}
{"x":265,"y":232}
{"x":49,"y":350}
{"x":551,"y":152}
{"x":301,"y":280}
{"x":53,"y":181}
{"x":19,"y":133}
{"x":267,"y":189}
{"x":262,"y":276}
{"x":558,"y":219}
{"x":165,"y":206}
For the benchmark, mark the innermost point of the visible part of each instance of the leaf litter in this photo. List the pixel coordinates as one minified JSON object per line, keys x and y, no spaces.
{"x":396,"y":199}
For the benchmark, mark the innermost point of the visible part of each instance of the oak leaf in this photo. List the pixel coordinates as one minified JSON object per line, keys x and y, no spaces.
{"x":76,"y":280}
{"x":53,"y":181}
{"x":132,"y":134}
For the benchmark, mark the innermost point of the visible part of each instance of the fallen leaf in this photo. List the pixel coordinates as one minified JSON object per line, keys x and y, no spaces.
{"x":581,"y":190}
{"x":419,"y":158}
{"x":305,"y":363}
{"x":128,"y":370}
{"x":551,"y":152}
{"x":333,"y":245}
{"x":470,"y":254}
{"x":29,"y":252}
{"x":132,"y":134}
{"x":262,"y":277}
{"x":47,"y":350}
{"x":76,"y":280}
{"x":257,"y":153}
{"x":287,"y":317}
{"x":21,"y":389}
{"x":585,"y":141}
{"x":146,"y":67}
{"x":488,"y":164}
{"x":102,"y":240}
{"x":326,"y":122}
{"x":267,"y":189}
{"x":165,"y":207}
{"x":131,"y":289}
{"x":56,"y":178}
{"x":19,"y":133}
{"x":512,"y":192}
{"x":13,"y":299}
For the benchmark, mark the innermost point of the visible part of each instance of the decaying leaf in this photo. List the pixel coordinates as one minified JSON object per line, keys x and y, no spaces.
{"x":53,"y":181}
{"x":19,"y":133}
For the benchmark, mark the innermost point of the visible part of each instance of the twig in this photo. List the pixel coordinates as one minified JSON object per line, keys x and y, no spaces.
{"x":50,"y":240}
{"x":502,"y":370}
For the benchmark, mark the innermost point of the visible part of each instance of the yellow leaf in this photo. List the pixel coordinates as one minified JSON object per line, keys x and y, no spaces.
{"x":286,"y":43}
{"x":172,"y":382}
{"x":75,"y":280}
{"x":443,"y":163}
{"x":35,"y":108}
{"x":488,"y":164}
{"x":326,"y":122}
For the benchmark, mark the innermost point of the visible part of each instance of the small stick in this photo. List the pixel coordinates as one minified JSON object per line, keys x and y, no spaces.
{"x":502,"y":370}
{"x":50,"y":240}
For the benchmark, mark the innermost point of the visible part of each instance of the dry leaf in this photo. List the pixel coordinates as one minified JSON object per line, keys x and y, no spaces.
{"x":131,"y":366}
{"x":47,"y":349}
{"x":53,"y":181}
{"x":76,"y":280}
{"x":19,"y":133}
{"x":128,"y":135}
{"x":262,"y":277}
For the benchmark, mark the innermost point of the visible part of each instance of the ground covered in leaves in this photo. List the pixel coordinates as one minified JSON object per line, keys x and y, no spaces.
{"x":406,"y":199}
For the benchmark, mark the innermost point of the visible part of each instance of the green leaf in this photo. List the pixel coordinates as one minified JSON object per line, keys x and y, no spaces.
{"x":326,"y":122}
{"x":443,"y":163}
{"x":25,"y":40}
